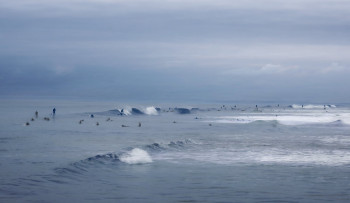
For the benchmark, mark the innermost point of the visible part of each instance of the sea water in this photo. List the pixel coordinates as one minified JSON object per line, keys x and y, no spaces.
{"x":180,"y":153}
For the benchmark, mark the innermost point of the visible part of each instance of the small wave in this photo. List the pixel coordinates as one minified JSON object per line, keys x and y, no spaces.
{"x":131,"y":156}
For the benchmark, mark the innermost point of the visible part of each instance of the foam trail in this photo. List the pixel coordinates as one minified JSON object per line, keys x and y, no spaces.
{"x":311,"y":106}
{"x":135,"y":156}
{"x":285,"y":119}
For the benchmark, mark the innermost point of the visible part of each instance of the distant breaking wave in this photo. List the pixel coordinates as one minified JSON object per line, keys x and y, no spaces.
{"x":151,"y":110}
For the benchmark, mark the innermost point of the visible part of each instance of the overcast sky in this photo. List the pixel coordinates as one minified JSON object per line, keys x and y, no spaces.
{"x":176,"y":50}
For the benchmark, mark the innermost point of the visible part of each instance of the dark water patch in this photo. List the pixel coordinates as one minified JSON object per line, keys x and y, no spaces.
{"x":182,"y":110}
{"x":270,"y":123}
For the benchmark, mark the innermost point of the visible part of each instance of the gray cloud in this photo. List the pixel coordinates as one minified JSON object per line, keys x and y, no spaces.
{"x":204,"y":50}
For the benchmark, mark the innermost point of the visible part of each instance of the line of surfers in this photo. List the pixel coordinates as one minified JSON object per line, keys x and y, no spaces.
{"x":80,"y":122}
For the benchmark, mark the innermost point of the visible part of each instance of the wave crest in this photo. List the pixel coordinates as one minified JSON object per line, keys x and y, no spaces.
{"x":136,"y":156}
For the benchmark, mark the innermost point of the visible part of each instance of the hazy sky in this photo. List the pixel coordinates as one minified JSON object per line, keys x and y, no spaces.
{"x":181,"y":50}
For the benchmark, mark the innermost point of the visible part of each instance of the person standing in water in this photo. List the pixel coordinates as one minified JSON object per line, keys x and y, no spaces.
{"x":36,"y":114}
{"x":53,"y":111}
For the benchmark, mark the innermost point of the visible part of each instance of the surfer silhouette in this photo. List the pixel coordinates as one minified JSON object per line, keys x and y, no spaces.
{"x":54,"y":111}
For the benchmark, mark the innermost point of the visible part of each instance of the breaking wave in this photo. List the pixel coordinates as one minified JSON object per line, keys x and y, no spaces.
{"x":135,"y":156}
{"x":150,"y":110}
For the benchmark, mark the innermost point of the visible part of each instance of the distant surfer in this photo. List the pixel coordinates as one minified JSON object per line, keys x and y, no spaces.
{"x":53,"y":111}
{"x":92,"y":115}
{"x":139,"y":124}
{"x":36,"y":114}
{"x":302,"y":106}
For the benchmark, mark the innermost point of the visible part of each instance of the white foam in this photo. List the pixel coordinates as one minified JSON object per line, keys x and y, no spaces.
{"x":285,"y":119}
{"x":319,"y":157}
{"x":126,"y":111}
{"x":150,"y":111}
{"x":312,"y":106}
{"x":136,"y":156}
{"x":267,"y":156}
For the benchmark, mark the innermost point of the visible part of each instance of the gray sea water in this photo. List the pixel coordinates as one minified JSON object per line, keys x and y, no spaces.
{"x":181,"y":153}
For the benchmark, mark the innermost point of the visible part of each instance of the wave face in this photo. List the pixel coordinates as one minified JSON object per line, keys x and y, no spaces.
{"x":135,"y":111}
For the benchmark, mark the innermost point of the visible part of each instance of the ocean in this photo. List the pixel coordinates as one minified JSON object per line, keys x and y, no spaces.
{"x":114,"y":152}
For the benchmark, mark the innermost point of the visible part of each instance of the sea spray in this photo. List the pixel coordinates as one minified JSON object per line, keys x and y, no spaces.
{"x":136,"y":156}
{"x":151,"y":111}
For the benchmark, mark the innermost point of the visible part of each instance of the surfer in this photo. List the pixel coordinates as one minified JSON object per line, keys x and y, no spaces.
{"x":53,"y":111}
{"x":139,"y":124}
{"x":36,"y":114}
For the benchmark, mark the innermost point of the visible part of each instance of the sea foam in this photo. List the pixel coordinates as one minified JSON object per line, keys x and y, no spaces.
{"x":135,"y":156}
{"x":150,"y":111}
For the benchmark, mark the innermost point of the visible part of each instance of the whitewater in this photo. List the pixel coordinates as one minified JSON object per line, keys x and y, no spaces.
{"x":113,"y":152}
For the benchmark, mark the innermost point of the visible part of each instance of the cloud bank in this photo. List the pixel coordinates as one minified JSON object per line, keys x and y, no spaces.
{"x":175,"y":49}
